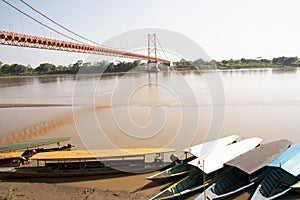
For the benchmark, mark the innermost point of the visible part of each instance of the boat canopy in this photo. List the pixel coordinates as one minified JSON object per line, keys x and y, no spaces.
{"x":289,"y":160}
{"x":34,"y":143}
{"x":218,"y":156}
{"x":203,"y":149}
{"x":259,"y":157}
{"x":103,"y":153}
{"x":10,"y":155}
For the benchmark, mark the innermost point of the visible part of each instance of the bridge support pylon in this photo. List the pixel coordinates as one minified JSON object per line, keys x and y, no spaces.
{"x":152,"y":52}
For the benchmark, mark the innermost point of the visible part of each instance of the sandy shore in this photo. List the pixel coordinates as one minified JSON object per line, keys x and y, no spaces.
{"x":110,"y":189}
{"x":124,"y":186}
{"x":42,"y":191}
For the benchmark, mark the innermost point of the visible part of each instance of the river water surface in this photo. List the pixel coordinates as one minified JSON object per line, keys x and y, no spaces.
{"x":263,"y":103}
{"x":165,"y":109}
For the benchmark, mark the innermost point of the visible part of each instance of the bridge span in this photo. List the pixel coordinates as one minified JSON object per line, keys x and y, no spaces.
{"x":30,"y":41}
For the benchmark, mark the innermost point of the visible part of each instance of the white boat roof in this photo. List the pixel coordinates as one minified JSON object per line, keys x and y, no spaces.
{"x":203,"y":149}
{"x":217,"y":157}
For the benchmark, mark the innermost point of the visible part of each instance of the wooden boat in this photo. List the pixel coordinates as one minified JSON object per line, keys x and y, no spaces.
{"x":207,"y":169}
{"x":244,"y":174}
{"x":183,"y":168}
{"x":89,"y":163}
{"x":10,"y":157}
{"x":285,"y":171}
{"x":177,"y":171}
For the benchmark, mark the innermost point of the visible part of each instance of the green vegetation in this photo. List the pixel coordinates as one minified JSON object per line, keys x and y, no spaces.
{"x":197,"y":64}
{"x":48,"y":68}
{"x":259,"y":63}
{"x":243,"y":63}
{"x":137,"y":66}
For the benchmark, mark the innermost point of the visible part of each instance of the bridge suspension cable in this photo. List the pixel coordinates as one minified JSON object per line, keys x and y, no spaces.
{"x":162,"y":48}
{"x":41,"y":23}
{"x":58,"y":24}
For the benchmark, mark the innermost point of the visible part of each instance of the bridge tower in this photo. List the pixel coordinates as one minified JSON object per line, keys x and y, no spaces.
{"x":152,"y":46}
{"x":152,"y":52}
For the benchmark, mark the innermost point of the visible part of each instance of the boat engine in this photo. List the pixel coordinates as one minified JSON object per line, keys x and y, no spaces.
{"x":174,"y":158}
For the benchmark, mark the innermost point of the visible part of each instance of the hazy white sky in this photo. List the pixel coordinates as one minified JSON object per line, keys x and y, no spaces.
{"x":223,"y":28}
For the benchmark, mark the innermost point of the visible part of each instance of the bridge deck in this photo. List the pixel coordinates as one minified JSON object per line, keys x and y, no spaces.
{"x":24,"y":40}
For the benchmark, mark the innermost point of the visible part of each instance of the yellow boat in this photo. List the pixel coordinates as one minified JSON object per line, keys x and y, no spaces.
{"x":90,"y":163}
{"x":10,"y":157}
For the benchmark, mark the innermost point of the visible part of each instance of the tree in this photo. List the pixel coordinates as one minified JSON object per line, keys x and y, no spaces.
{"x":16,"y":69}
{"x":137,"y":63}
{"x":284,"y":60}
{"x":224,"y":62}
{"x":45,"y":68}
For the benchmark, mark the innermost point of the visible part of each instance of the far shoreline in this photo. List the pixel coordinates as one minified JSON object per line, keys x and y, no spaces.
{"x":146,"y":72}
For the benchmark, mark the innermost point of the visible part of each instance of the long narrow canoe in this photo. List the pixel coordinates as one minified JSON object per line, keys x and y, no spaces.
{"x":31,"y":144}
{"x":203,"y":149}
{"x":183,"y":168}
{"x":247,"y":169}
{"x":216,"y":159}
{"x":285,"y":172}
{"x":89,"y":163}
{"x":203,"y":175}
{"x":10,"y":157}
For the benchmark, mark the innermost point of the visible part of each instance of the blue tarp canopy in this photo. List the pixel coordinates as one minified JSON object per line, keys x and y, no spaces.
{"x":289,"y":160}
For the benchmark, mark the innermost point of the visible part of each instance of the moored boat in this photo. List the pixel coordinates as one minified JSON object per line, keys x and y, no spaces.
{"x":207,"y":169}
{"x":247,"y":170}
{"x":9,"y":157}
{"x":90,"y":163}
{"x":285,"y":171}
{"x":183,"y":168}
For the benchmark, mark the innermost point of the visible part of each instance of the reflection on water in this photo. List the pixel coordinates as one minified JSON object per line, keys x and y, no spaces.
{"x":258,"y":102}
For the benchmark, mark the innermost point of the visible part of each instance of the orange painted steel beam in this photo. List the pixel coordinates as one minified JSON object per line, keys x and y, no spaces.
{"x":29,"y":41}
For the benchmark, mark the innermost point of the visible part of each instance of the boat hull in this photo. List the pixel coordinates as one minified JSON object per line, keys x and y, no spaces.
{"x":235,"y":181}
{"x":192,"y":183}
{"x":277,"y":183}
{"x":173,"y":173}
{"x":34,"y":172}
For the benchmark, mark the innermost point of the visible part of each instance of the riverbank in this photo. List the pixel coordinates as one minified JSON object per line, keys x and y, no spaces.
{"x":119,"y":188}
{"x":41,"y":191}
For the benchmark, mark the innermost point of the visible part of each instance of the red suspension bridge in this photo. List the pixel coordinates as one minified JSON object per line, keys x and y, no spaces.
{"x":30,"y":41}
{"x":24,"y":40}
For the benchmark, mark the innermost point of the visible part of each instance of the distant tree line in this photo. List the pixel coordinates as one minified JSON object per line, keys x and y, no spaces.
{"x":48,"y":68}
{"x":239,"y":63}
{"x":260,"y":63}
{"x":105,"y":66}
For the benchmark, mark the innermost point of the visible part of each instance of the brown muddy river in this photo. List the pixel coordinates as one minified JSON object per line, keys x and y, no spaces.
{"x":167,"y":109}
